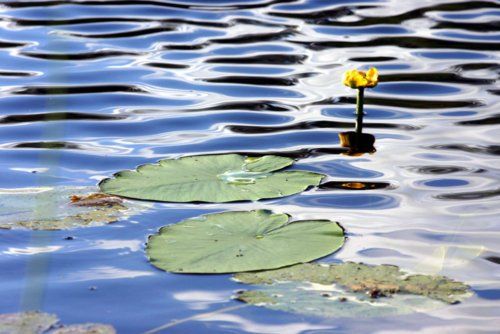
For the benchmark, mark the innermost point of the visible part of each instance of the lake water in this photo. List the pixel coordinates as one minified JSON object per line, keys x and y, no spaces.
{"x":89,"y":88}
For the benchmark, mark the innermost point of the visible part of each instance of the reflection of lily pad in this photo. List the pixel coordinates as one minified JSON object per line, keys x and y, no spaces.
{"x":349,"y":289}
{"x":241,"y":241}
{"x":60,"y":208}
{"x":26,"y":323}
{"x":211,"y":178}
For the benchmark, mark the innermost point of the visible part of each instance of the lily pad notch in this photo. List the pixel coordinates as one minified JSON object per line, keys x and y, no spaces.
{"x":240,"y":241}
{"x":212,"y":179}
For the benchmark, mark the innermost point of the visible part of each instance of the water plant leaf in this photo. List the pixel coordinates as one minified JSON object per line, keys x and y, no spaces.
{"x":211,"y":178}
{"x":331,"y":301}
{"x":26,"y":322}
{"x":61,"y":208}
{"x":349,"y":290}
{"x":85,"y":329}
{"x":231,"y":242}
{"x":34,"y":322}
{"x":96,"y":200}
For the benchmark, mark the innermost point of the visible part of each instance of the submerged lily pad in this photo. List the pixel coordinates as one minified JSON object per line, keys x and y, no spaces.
{"x":35,"y":322}
{"x":383,"y":280}
{"x":85,"y":329}
{"x":211,"y":178}
{"x":231,"y":242}
{"x":349,"y":289}
{"x":332,"y":301}
{"x":61,"y":208}
{"x":27,"y":322}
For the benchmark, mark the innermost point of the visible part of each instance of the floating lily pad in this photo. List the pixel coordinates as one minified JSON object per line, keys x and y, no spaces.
{"x":35,"y":322}
{"x":61,"y":208}
{"x":332,"y":301}
{"x":211,"y":178}
{"x":26,"y":323}
{"x":231,"y":242}
{"x":85,"y":329}
{"x":349,"y":290}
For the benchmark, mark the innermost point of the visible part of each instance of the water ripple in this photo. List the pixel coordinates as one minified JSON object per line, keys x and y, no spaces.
{"x":91,"y":87}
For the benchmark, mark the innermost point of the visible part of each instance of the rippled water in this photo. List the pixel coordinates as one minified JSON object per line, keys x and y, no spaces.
{"x":93,"y":87}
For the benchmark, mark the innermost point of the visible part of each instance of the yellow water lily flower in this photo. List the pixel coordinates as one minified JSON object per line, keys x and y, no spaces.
{"x":361,"y":79}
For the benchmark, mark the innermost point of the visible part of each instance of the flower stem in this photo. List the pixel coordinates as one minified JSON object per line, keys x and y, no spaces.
{"x":359,"y":110}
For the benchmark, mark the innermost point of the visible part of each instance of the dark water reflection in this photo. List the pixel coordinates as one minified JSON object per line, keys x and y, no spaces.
{"x":89,"y":88}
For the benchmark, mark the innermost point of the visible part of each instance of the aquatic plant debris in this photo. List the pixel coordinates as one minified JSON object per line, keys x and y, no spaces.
{"x":211,"y":178}
{"x":332,"y":302}
{"x":34,"y":322}
{"x":230,"y":242}
{"x":61,"y":208}
{"x":96,"y":199}
{"x":85,"y":329}
{"x":349,"y":290}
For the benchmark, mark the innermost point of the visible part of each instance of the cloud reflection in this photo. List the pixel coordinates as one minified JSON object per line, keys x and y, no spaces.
{"x":248,"y":326}
{"x":103,"y":273}
{"x":31,"y":250}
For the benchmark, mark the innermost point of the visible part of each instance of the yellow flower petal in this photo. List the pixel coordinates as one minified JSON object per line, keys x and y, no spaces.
{"x":360,"y":79}
{"x":372,"y":77}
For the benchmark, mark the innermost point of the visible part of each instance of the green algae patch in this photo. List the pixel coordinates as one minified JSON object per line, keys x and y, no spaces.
{"x":237,"y":241}
{"x":60,"y":208}
{"x":211,"y":178}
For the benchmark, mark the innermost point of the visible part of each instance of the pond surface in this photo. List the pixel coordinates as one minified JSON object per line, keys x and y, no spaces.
{"x":89,"y":88}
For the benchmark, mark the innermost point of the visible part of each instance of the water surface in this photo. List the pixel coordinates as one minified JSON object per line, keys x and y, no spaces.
{"x":89,"y":88}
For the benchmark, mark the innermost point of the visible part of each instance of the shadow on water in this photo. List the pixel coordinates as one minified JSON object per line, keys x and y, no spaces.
{"x":269,"y":59}
{"x":307,"y":125}
{"x":79,"y":56}
{"x":57,"y":116}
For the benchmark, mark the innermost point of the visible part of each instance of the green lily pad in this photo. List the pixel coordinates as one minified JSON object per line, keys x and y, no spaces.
{"x":349,"y":290}
{"x":211,"y":178}
{"x":231,"y":242}
{"x":61,"y":208}
{"x":26,"y":322}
